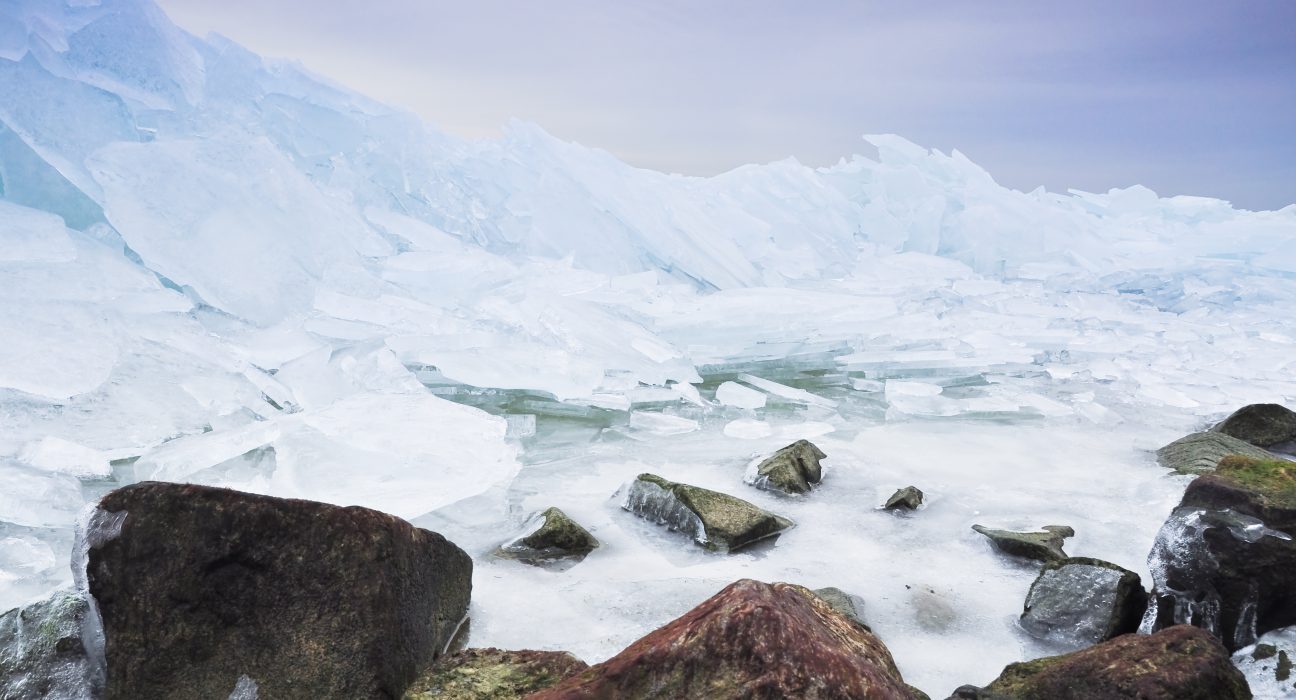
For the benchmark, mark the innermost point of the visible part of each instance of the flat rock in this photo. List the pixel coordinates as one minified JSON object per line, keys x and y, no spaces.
{"x":1179,"y":663}
{"x":52,"y":649}
{"x":1200,"y":453}
{"x":551,"y":535}
{"x":750,"y":640}
{"x":205,"y":590}
{"x":1225,"y":559}
{"x":715,"y":520}
{"x":1261,"y":424}
{"x":795,"y":469}
{"x":908,"y":498}
{"x":1043,"y":546}
{"x":493,"y":674}
{"x":1080,"y":601}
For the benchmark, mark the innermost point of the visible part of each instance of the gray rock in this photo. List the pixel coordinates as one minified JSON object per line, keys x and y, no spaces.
{"x":1261,"y":424}
{"x":52,"y":649}
{"x":1201,"y":453}
{"x":204,"y":591}
{"x":793,"y":469}
{"x":715,"y":520}
{"x":852,"y":606}
{"x":908,"y":498}
{"x":1081,"y":601}
{"x":1043,"y":546}
{"x":552,"y":536}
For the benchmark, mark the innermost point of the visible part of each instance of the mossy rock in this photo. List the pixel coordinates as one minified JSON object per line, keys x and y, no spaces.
{"x":1200,"y":453}
{"x":908,"y":498}
{"x":1261,"y":424}
{"x":715,"y":520}
{"x":1043,"y":546}
{"x":1272,"y":480}
{"x":556,"y":536}
{"x":493,"y":674}
{"x":795,"y":469}
{"x":43,"y":652}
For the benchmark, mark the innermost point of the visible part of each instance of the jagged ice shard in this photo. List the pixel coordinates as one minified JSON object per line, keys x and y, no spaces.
{"x":219,"y":268}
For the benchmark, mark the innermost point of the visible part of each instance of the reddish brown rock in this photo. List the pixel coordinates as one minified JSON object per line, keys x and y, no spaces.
{"x":750,"y":640}
{"x":1177,"y":663}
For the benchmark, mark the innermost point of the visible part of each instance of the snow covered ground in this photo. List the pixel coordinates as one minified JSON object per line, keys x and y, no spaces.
{"x":222,"y":269}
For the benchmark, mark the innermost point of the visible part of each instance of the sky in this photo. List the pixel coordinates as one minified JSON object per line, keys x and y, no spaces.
{"x":1188,"y":97}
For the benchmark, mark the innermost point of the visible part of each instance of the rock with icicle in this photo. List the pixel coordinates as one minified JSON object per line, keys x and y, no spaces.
{"x":1080,"y":601}
{"x":1200,"y":453}
{"x":493,"y":674}
{"x":52,"y":649}
{"x":1043,"y":546}
{"x":550,"y":537}
{"x":750,"y":640}
{"x":714,"y":520}
{"x":1225,"y":559}
{"x":1261,"y":424}
{"x":212,"y":593}
{"x":795,"y":469}
{"x":907,"y":498}
{"x":1179,"y":663}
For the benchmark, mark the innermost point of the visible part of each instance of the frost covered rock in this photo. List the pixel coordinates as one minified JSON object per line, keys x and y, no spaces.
{"x":551,"y":535}
{"x":908,"y":498}
{"x":750,"y":640}
{"x":715,"y":520}
{"x":493,"y":674}
{"x":1179,"y":663}
{"x":1043,"y":546}
{"x":1225,"y":559}
{"x":1261,"y":424}
{"x":1080,"y":601}
{"x":793,"y":469}
{"x":203,"y":590}
{"x":52,"y":649}
{"x":1200,"y":453}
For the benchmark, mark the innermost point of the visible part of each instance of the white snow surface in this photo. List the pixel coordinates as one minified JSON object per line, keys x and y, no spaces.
{"x":222,"y":269}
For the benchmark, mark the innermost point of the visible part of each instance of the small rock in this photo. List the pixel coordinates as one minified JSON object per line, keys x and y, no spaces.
{"x":793,"y":469}
{"x":750,"y":640}
{"x":1082,"y":601}
{"x":1263,"y":651}
{"x":552,"y":535}
{"x":1200,"y":453}
{"x":203,"y":591}
{"x":1261,"y":424}
{"x":493,"y":674}
{"x":852,"y":606}
{"x":908,"y":498}
{"x":52,"y":649}
{"x":1043,"y":546}
{"x":1179,"y":663}
{"x":715,"y":520}
{"x":1284,"y":670}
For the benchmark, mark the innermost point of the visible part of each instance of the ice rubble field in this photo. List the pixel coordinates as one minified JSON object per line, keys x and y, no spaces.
{"x":221,"y":269}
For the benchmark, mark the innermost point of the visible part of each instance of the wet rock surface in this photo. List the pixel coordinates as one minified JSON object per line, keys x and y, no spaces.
{"x":493,"y":674}
{"x":205,"y":590}
{"x":1261,"y":424}
{"x":715,"y":520}
{"x":907,"y":498}
{"x":1179,"y":663}
{"x":1225,"y":560}
{"x":795,"y":469}
{"x":1043,"y":546}
{"x":750,"y":640}
{"x":52,"y":649}
{"x":1080,"y":601}
{"x":1200,"y":453}
{"x":556,"y":536}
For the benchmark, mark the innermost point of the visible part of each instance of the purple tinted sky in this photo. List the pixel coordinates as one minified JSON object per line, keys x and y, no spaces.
{"x":1187,"y":97}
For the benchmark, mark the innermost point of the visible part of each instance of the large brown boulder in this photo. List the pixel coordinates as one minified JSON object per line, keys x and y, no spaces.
{"x":202,"y":590}
{"x":1179,"y":663}
{"x":750,"y":640}
{"x":1225,"y":560}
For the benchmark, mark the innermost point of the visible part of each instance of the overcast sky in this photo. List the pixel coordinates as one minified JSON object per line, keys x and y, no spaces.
{"x":1186,"y":97}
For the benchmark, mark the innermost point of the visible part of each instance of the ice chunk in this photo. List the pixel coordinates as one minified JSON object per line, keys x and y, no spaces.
{"x":786,"y":392}
{"x":66,"y":457}
{"x":739,"y":396}
{"x":747,"y":429}
{"x":661,"y":423}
